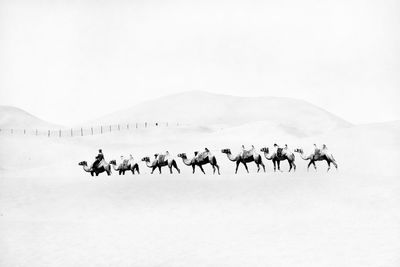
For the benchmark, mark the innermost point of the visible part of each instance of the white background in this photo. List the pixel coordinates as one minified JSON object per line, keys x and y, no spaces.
{"x":82,"y":59}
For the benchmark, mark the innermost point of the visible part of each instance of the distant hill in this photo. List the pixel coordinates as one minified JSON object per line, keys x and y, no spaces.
{"x":223,"y":111}
{"x":12,"y":117}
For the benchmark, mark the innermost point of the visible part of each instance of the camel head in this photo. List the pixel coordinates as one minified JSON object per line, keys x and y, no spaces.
{"x":113,"y":162}
{"x":82,"y":163}
{"x":226,"y":151}
{"x":196,"y":153}
{"x":264,"y":149}
{"x":298,"y":150}
{"x":146,"y":159}
{"x":182,"y":155}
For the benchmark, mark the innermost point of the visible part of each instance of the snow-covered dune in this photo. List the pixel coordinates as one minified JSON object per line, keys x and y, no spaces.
{"x":16,"y":118}
{"x":207,"y":109}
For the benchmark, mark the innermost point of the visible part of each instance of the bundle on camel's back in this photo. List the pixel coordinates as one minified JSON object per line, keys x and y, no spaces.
{"x":201,"y":159}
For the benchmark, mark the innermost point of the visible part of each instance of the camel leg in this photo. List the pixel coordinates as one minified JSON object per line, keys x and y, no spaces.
{"x":279,"y":165}
{"x":315,"y":166}
{"x":274,"y":162}
{"x":335,"y":164}
{"x":215,"y":165}
{"x":194,"y":168}
{"x":329,"y":165}
{"x":294,"y":166}
{"x":309,"y":164}
{"x":137,"y":169}
{"x":237,"y":166}
{"x":91,"y":173}
{"x":258,"y":167}
{"x":176,"y":167}
{"x":245,"y":165}
{"x":212,"y":163}
{"x":262,"y":164}
{"x":290,"y":166}
{"x":201,"y":168}
{"x":170,"y":169}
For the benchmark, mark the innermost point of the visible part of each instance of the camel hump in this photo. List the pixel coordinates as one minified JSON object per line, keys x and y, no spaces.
{"x":102,"y":163}
{"x":161,"y":158}
{"x":125,"y":162}
{"x":202,"y":156}
{"x":248,"y":153}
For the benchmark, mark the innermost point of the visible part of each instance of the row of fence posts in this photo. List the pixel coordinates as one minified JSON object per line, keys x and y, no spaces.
{"x":81,"y":129}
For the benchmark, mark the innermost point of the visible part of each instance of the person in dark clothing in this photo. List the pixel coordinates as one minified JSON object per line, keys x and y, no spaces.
{"x":99,"y":158}
{"x":278,"y":150}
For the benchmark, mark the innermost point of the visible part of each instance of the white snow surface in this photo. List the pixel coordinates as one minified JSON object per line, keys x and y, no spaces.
{"x":52,"y":213}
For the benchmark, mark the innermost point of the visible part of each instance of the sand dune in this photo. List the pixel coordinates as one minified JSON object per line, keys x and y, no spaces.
{"x":12,"y":117}
{"x":207,"y":109}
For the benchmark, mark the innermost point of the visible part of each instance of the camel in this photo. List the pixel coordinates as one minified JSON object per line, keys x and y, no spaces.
{"x":161,"y":161}
{"x":320,"y":155}
{"x":245,"y":157}
{"x":200,"y":160}
{"x":133,"y":166}
{"x":102,"y":167}
{"x":278,"y":156}
{"x":126,"y":166}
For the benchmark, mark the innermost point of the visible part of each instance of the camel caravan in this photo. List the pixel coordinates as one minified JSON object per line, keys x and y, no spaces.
{"x":276,"y":154}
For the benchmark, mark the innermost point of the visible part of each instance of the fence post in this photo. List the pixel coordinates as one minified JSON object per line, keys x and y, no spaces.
{"x":81,"y":132}
{"x":127,"y":126}
{"x":48,"y":133}
{"x":36,"y":132}
{"x":59,"y":133}
{"x":118,"y":127}
{"x":145,"y":125}
{"x":167,"y":124}
{"x":12,"y":131}
{"x":91,"y":130}
{"x":110,"y":128}
{"x":101,"y":129}
{"x":136,"y":125}
{"x":71,"y":132}
{"x":24,"y":131}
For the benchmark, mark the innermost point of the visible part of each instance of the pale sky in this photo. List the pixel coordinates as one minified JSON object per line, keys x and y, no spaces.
{"x":70,"y":61}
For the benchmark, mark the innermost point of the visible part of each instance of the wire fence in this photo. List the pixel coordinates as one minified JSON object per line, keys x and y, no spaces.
{"x":86,"y":131}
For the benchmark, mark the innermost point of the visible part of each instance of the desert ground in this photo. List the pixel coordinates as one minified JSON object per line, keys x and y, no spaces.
{"x":52,"y":213}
